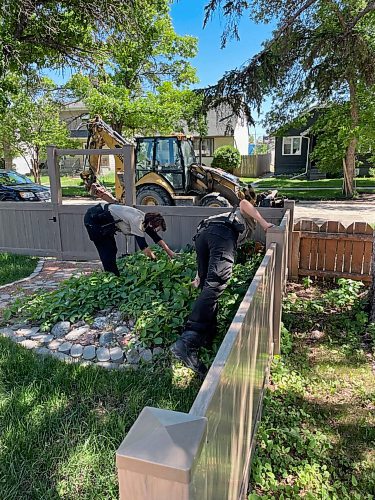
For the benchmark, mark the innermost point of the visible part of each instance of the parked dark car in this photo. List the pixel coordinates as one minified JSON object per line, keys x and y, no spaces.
{"x":17,"y":187}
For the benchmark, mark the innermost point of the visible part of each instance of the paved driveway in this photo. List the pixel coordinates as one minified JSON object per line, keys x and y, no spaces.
{"x":342,"y":211}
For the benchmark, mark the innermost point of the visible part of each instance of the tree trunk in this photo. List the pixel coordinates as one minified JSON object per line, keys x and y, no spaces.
{"x":349,"y":170}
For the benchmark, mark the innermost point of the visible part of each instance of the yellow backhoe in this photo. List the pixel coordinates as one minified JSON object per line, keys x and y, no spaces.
{"x":166,"y":169}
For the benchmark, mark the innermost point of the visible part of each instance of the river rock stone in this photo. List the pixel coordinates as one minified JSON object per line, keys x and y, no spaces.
{"x":121,"y":330}
{"x":106,"y":338}
{"x":100,"y":323}
{"x":132,"y":356}
{"x":146,"y":355}
{"x":7,"y":332}
{"x":65,"y":347}
{"x":76,"y":351}
{"x":60,"y":329}
{"x":102,"y":354}
{"x":116,"y":354}
{"x":28,"y":331}
{"x":89,"y":352}
{"x":77,"y":333}
{"x":43,"y":338}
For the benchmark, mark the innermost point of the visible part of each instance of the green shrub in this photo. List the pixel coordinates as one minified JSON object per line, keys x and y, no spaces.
{"x":226,"y":157}
{"x":371,"y":172}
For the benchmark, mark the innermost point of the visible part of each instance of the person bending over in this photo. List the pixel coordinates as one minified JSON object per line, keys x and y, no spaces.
{"x":216,"y":242}
{"x":104,"y":219}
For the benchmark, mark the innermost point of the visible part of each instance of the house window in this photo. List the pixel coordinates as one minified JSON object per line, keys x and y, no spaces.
{"x":207,"y":147}
{"x":292,"y":145}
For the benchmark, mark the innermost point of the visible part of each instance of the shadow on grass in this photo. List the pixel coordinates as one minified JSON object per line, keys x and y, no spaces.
{"x":60,"y":425}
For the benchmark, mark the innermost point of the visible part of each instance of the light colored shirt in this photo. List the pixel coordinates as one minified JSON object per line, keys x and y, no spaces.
{"x":131,"y":219}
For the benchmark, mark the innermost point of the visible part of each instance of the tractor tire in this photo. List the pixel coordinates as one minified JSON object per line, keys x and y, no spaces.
{"x":214,"y":200}
{"x":153,"y":195}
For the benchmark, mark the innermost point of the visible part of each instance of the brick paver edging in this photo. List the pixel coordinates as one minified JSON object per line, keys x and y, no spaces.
{"x":37,"y":270}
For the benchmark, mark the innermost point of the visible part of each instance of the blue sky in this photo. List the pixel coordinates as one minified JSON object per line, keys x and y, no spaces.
{"x":212,"y":61}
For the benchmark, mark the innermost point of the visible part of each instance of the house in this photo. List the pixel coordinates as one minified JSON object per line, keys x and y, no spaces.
{"x":293,"y":150}
{"x":223,"y":129}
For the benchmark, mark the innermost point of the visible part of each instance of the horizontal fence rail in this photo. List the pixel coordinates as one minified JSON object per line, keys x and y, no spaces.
{"x":332,"y":250}
{"x":205,"y":455}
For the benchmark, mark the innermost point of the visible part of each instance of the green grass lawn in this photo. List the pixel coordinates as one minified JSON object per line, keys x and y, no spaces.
{"x":15,"y":267}
{"x":317,"y":435}
{"x":60,"y":425}
{"x":73,"y":186}
{"x":283,"y":183}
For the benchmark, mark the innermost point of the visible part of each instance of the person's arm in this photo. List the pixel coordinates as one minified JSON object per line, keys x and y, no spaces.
{"x":159,"y":241}
{"x":247,"y":209}
{"x":141,"y":242}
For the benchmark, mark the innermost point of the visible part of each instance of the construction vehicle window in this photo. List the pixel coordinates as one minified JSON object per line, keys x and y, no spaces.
{"x":144,"y":154}
{"x":188,"y":153}
{"x":167,"y":155}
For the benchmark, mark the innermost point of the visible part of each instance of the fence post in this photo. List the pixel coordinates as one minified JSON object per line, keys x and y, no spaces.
{"x":290,"y":205}
{"x":155,"y":459}
{"x":54,"y":176}
{"x":277,"y":235}
{"x":129,"y":174}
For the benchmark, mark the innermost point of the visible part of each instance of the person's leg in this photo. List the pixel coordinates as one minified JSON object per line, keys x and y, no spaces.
{"x":201,"y":324}
{"x":107,"y":250}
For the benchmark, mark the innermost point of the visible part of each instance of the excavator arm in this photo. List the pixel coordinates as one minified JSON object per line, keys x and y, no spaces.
{"x":100,"y":135}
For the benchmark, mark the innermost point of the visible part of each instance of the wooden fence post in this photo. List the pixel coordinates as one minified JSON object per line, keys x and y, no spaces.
{"x":54,"y":176}
{"x":277,"y":235}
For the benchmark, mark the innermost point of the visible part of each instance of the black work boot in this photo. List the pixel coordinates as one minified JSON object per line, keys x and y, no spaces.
{"x":189,"y":357}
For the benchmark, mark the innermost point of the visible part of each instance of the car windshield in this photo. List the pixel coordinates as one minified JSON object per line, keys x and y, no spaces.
{"x":12,"y":179}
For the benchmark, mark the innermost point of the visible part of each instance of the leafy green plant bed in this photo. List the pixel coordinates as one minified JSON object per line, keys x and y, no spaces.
{"x":316,"y":438}
{"x":157,"y":295}
{"x":15,"y":267}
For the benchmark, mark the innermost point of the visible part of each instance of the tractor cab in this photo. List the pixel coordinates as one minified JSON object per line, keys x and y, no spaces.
{"x":169,"y":157}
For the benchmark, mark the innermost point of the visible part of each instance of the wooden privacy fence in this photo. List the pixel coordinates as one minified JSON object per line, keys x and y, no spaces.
{"x":254,"y":165}
{"x":332,"y":250}
{"x":205,"y":454}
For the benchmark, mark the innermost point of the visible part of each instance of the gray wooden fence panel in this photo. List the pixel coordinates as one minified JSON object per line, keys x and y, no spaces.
{"x":28,"y":228}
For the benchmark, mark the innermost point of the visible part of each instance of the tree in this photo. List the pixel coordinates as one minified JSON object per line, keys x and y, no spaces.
{"x":322,"y":51}
{"x":142,"y":83}
{"x":32,"y":123}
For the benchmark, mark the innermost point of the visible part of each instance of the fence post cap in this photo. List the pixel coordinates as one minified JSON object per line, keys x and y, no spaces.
{"x":162,"y":443}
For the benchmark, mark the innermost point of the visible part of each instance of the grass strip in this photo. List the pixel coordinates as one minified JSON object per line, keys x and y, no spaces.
{"x":15,"y":267}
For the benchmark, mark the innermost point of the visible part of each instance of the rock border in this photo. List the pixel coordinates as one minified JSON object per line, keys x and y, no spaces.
{"x":38,"y":269}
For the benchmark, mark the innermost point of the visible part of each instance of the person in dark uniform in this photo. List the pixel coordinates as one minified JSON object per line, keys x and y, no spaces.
{"x":103,"y":220}
{"x":216,"y":242}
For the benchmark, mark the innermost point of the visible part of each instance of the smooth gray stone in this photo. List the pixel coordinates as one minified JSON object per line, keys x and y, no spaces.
{"x":146,"y":355}
{"x":77,"y":333}
{"x":102,"y":354}
{"x":106,"y":338}
{"x":132,"y":356}
{"x":60,"y":329}
{"x":76,"y":351}
{"x":121,"y":330}
{"x":28,"y":332}
{"x":29,"y":344}
{"x":7,"y":332}
{"x":106,"y":364}
{"x":157,"y":351}
{"x":5,"y":296}
{"x":61,"y":356}
{"x":43,"y":338}
{"x":116,"y":354}
{"x":65,"y":347}
{"x":89,"y":352}
{"x":55,"y":344}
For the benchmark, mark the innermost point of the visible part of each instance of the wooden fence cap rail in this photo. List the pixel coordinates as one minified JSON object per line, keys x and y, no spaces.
{"x":333,"y":227}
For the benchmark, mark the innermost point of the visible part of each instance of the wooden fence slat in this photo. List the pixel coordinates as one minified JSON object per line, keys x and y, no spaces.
{"x":324,"y":274}
{"x":331,"y":247}
{"x":348,"y":250}
{"x":336,"y":236}
{"x":305,"y":246}
{"x":295,"y":254}
{"x":367,"y":258}
{"x":340,"y":249}
{"x":358,"y":249}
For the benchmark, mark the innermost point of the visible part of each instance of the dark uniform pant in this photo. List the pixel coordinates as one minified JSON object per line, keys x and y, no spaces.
{"x":216,"y":246}
{"x":106,"y":246}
